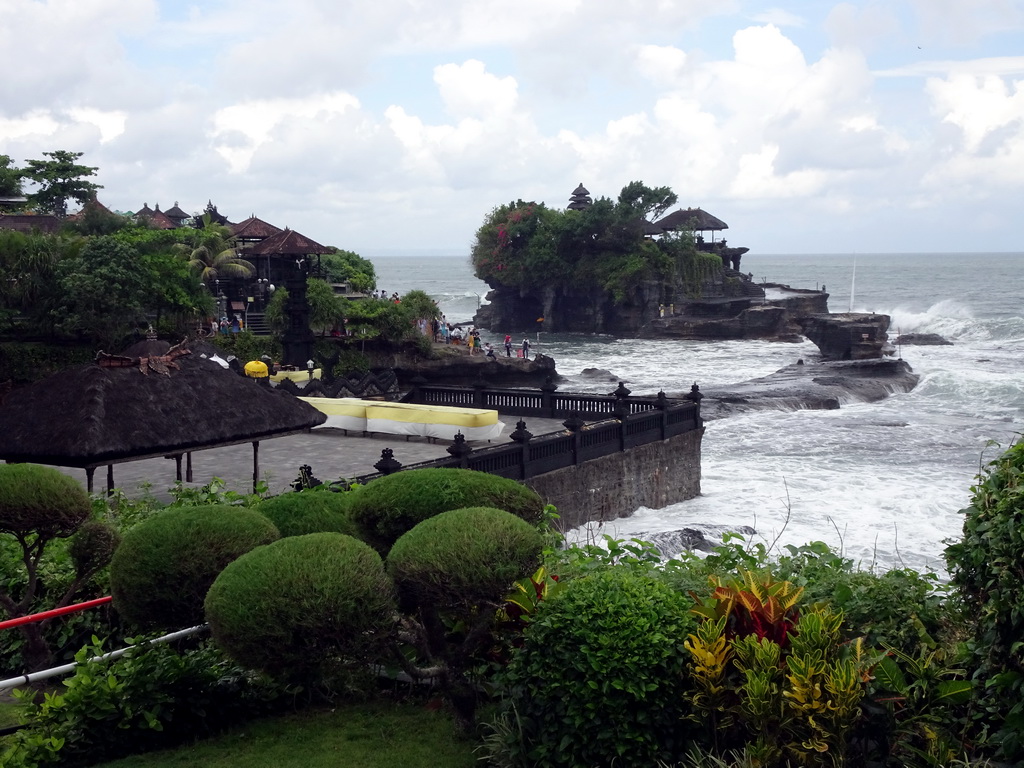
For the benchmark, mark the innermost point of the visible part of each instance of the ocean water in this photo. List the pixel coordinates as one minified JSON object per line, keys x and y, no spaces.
{"x":884,"y":482}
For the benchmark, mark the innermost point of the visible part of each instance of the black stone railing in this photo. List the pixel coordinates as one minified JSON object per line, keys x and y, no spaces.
{"x":623,"y":422}
{"x":545,"y":402}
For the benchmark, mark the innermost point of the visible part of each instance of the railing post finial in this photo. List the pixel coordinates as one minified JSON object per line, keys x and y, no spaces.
{"x":388,"y":464}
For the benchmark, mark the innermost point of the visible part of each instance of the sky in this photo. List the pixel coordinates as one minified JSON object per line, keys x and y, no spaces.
{"x":396,"y":126}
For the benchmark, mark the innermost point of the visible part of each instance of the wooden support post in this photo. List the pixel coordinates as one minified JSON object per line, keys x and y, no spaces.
{"x":110,"y":479}
{"x":89,"y":472}
{"x":177,"y":467}
{"x":255,"y":464}
{"x":188,"y":467}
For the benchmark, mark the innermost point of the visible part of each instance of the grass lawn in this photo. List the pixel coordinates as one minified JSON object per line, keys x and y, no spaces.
{"x":8,"y":712}
{"x":379,"y":734}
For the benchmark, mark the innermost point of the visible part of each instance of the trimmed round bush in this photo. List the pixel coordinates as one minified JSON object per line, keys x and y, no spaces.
{"x":93,"y":546}
{"x":602,"y":663}
{"x":164,"y":566}
{"x":389,"y":506}
{"x":42,"y":500}
{"x":296,"y":514}
{"x":288,"y":607}
{"x":464,"y":557}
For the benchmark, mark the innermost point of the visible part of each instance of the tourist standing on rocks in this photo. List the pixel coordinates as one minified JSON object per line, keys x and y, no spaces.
{"x":526,"y":349}
{"x":489,"y":352}
{"x":508,"y":345}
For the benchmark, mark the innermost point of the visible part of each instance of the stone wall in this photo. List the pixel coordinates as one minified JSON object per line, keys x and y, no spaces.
{"x":653,"y":475}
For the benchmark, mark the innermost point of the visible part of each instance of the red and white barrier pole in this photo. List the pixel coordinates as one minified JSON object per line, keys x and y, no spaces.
{"x":55,"y":612}
{"x":14,"y":682}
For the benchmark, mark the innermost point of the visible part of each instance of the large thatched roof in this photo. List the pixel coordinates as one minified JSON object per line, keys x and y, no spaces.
{"x":694,"y":219}
{"x":92,"y":415}
{"x":253,"y":228}
{"x":288,"y":242}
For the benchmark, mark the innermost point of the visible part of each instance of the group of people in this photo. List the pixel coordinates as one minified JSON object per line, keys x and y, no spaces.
{"x":225,"y":326}
{"x":383,"y":295}
{"x":454,"y":334}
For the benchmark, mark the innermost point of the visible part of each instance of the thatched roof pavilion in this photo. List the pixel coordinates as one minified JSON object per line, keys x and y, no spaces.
{"x":694,"y":219}
{"x":176,"y":214}
{"x":129,"y":409}
{"x":253,"y":229}
{"x":156,"y":219}
{"x":288,"y":242}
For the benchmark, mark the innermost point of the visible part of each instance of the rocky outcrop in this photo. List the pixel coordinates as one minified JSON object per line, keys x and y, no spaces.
{"x":568,"y":311}
{"x":453,"y":365}
{"x":923,"y":340}
{"x":759,"y":322}
{"x":848,"y":335}
{"x":812,"y":386}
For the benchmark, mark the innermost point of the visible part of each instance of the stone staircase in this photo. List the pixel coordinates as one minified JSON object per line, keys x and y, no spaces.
{"x":749,"y":288}
{"x":256,"y":323}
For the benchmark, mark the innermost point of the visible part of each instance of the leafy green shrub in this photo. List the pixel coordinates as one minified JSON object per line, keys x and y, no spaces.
{"x":93,"y":546}
{"x":900,"y":607}
{"x":600,"y":679}
{"x":289,"y":607}
{"x":464,"y":557}
{"x":772,"y":680}
{"x":38,"y":505}
{"x":153,"y":696}
{"x":161,"y":572}
{"x":986,"y":568}
{"x":296,"y":514}
{"x":387,"y":507}
{"x":41,"y":501}
{"x":25,"y":362}
{"x":247,"y":346}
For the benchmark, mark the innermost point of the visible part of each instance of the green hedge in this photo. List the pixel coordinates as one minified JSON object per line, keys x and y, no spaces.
{"x":390,"y":506}
{"x":41,"y":500}
{"x":161,"y":572}
{"x":28,"y":361}
{"x":289,"y":607}
{"x":296,"y":514}
{"x":464,"y":557}
{"x":601,"y":677}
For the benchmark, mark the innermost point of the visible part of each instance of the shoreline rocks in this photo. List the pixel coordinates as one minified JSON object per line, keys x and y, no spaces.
{"x":825,"y":385}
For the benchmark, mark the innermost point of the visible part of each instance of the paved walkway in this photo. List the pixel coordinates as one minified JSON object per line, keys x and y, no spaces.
{"x":330,"y":453}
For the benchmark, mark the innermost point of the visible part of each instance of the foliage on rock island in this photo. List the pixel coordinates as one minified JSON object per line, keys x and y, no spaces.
{"x":602,"y":248}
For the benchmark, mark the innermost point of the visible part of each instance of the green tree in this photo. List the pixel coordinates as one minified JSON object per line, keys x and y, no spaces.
{"x":104,"y":292}
{"x":37,"y":506}
{"x":349,"y":267}
{"x":59,"y":179}
{"x":10,"y":178}
{"x":324,"y":309}
{"x":639,"y":200}
{"x":214,"y":257}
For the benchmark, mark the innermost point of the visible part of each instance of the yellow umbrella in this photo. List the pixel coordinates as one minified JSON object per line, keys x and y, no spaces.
{"x":256,"y":369}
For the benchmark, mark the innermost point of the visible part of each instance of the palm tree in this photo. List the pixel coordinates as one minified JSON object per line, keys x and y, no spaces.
{"x":214,"y":257}
{"x":213,"y":264}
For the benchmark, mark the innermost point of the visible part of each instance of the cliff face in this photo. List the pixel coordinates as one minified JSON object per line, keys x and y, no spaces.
{"x":730,"y":307}
{"x":567,"y":311}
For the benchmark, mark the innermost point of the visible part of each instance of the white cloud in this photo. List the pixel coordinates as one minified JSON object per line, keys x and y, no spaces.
{"x":346,"y":117}
{"x":469,"y":90}
{"x":779,"y":17}
{"x":663,"y":65}
{"x":35,"y":123}
{"x":960,"y":22}
{"x":978,"y":106}
{"x":110,"y":123}
{"x":998,"y":65}
{"x":240,"y":130}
